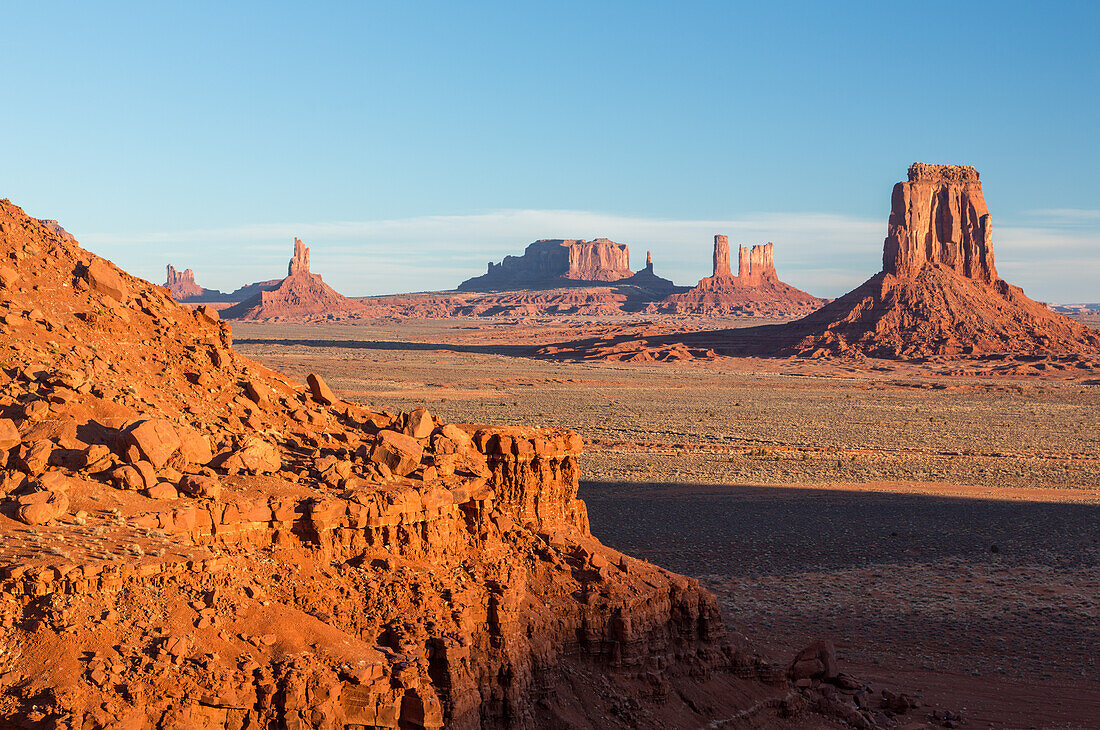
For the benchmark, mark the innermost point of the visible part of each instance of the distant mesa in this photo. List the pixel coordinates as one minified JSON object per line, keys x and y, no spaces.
{"x":938,"y":293}
{"x":300,"y":294}
{"x":755,"y":290}
{"x":184,"y":289}
{"x":56,"y":228}
{"x":556,"y":262}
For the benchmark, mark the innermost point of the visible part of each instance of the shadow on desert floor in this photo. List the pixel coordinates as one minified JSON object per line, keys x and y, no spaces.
{"x":393,"y":345}
{"x":751,"y":530}
{"x":983,"y":604}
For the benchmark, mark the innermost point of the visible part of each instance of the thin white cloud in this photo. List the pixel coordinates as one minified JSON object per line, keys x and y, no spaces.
{"x":1069,"y":214}
{"x":825,"y":254}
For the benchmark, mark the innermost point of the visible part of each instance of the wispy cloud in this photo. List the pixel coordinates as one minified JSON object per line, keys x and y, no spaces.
{"x":1069,"y":214}
{"x":825,"y":254}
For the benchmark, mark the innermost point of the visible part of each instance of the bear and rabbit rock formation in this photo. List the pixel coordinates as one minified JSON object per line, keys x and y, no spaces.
{"x":755,"y":290}
{"x":189,"y":539}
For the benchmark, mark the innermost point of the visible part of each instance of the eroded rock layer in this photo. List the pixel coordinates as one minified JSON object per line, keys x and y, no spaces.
{"x":190,"y":540}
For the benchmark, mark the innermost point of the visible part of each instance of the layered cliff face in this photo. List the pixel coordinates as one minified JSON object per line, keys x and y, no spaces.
{"x":755,"y":290}
{"x":939,"y":218}
{"x":190,"y":540}
{"x":300,"y":294}
{"x":554,"y":262}
{"x":938,"y":293}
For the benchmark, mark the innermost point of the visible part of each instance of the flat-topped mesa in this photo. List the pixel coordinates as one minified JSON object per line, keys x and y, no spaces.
{"x":600,"y":259}
{"x":939,"y":218}
{"x":299,"y":263}
{"x":556,"y":261}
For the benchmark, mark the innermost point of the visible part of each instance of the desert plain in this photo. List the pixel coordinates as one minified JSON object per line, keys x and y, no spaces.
{"x":938,"y":520}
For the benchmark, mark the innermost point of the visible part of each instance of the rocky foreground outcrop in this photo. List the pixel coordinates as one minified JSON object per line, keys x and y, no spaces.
{"x":301,"y":294}
{"x":190,"y":540}
{"x":756,"y":290}
{"x":554,"y":262}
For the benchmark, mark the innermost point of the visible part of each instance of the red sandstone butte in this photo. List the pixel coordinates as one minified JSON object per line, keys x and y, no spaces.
{"x":938,"y":293}
{"x":556,"y":262}
{"x":300,"y":294}
{"x":182,"y":284}
{"x":755,"y":290}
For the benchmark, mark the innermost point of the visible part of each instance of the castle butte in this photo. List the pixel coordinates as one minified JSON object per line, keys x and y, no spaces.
{"x":183,"y":287}
{"x":755,"y":290}
{"x":191,"y":540}
{"x":300,"y":294}
{"x":938,"y":293}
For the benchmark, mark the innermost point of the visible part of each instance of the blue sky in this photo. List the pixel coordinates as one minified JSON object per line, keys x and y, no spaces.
{"x":410,"y":143}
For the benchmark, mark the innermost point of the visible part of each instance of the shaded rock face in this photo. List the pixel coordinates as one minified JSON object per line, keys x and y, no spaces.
{"x":939,"y":217}
{"x":300,"y":294}
{"x":755,"y":290}
{"x":556,"y":261}
{"x":938,"y":294}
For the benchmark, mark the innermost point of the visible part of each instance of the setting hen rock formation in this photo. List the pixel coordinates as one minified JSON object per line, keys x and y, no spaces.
{"x":556,"y":262}
{"x":938,"y":293}
{"x":300,"y":294}
{"x":191,"y":540}
{"x":184,"y":289}
{"x":756,"y":290}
